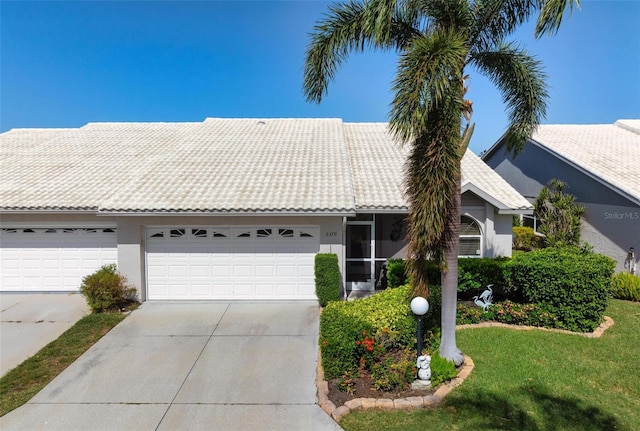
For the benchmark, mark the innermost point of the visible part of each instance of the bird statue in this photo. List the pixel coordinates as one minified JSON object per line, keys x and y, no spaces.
{"x":485,"y":299}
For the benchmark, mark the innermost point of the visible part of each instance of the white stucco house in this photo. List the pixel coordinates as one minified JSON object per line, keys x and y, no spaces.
{"x":219,"y":209}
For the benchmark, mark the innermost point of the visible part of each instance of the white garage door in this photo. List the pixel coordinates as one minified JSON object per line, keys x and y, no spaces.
{"x":231,"y":262}
{"x":53,"y":259}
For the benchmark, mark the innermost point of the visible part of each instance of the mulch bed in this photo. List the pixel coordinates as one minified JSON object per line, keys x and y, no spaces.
{"x":363,"y":388}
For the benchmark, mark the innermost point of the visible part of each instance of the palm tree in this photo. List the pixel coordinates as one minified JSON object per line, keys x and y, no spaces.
{"x":437,"y":41}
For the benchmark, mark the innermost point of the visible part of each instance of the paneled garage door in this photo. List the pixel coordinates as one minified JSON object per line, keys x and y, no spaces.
{"x":231,"y":262}
{"x":53,"y":259}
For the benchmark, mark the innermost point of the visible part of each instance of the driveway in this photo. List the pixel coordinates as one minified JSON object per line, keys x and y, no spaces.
{"x":190,"y":366}
{"x":30,"y":321}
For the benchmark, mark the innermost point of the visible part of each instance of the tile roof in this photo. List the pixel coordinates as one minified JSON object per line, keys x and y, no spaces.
{"x":216,"y":166}
{"x":479,"y":178}
{"x":378,"y":161}
{"x":377,"y":165}
{"x":609,"y":153}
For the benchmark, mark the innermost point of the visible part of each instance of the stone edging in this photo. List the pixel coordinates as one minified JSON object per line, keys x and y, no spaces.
{"x":608,"y":323}
{"x":434,"y":399}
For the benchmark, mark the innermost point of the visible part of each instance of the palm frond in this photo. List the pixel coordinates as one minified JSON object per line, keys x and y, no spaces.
{"x":551,"y":13}
{"x":497,"y":19}
{"x":351,"y":27}
{"x":521,"y":80}
{"x":426,"y":71}
{"x":448,"y":14}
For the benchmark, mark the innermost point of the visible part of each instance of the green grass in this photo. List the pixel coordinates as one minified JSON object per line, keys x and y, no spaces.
{"x":536,"y":380}
{"x":20,"y":384}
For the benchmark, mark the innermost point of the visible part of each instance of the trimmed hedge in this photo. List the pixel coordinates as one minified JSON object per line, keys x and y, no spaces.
{"x":386,"y":316}
{"x":327,"y":272}
{"x":473,"y":275}
{"x":570,"y":283}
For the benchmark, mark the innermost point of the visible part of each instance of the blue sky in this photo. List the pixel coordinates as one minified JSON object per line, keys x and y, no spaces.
{"x":64,"y":64}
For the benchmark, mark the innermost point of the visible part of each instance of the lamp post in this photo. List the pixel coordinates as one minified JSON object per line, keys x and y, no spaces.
{"x":419,"y":307}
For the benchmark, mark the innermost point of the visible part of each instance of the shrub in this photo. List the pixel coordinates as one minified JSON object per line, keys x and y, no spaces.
{"x":394,"y":371}
{"x":396,"y":273}
{"x":327,"y":273}
{"x":475,"y":274}
{"x":524,"y":238}
{"x":385,"y":318}
{"x":568,"y":283}
{"x":106,"y":289}
{"x":626,"y":286}
{"x":441,"y":369}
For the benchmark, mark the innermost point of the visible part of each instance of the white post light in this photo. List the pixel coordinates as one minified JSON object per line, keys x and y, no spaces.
{"x":419,"y":307}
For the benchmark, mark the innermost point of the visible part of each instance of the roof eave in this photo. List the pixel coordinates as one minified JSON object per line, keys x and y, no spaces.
{"x":501,"y":206}
{"x":349,"y":212}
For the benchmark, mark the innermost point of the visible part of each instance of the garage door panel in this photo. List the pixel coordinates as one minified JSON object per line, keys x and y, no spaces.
{"x":242,"y":270}
{"x":221,"y":271}
{"x":264,"y":271}
{"x":249,"y":262}
{"x":265,"y":290}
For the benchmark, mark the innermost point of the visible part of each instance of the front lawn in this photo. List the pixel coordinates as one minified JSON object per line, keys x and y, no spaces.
{"x":536,"y":380}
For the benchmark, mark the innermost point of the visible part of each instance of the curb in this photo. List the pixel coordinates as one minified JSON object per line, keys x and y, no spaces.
{"x":338,"y":412}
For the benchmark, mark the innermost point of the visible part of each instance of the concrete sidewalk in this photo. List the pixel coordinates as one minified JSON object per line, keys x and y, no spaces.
{"x":30,"y":321}
{"x":190,"y":366}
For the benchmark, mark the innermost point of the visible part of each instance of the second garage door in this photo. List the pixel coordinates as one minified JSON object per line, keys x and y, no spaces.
{"x":52,"y":259}
{"x":231,"y":262}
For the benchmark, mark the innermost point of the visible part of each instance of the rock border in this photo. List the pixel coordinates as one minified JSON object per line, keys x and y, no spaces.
{"x":597,"y":333}
{"x":338,"y":412}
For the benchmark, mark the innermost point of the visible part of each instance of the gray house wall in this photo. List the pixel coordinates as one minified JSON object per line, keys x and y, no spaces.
{"x":611,"y":223}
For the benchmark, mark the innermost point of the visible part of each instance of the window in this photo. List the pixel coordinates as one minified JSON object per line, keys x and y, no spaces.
{"x":286,"y":233}
{"x":199,"y":233}
{"x":177,"y":233}
{"x":263,"y":233}
{"x":470,"y":238}
{"x":530,"y":221}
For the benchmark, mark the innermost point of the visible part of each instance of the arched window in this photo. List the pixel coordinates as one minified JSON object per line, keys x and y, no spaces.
{"x":470,"y":238}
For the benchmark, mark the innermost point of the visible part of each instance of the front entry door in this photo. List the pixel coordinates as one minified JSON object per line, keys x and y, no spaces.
{"x":360,"y":262}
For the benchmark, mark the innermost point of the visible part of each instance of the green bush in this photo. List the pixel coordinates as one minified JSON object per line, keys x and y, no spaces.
{"x":385,"y":317}
{"x":106,"y":289}
{"x":441,"y":369}
{"x":475,"y":274}
{"x":568,"y":283}
{"x":396,"y":273}
{"x":626,"y":286}
{"x":327,"y":272}
{"x":524,"y":238}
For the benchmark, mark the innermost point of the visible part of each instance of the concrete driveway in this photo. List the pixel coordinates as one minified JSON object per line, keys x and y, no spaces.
{"x":30,"y":321}
{"x":190,"y":366}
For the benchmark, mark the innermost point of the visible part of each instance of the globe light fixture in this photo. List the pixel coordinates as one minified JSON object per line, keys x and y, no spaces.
{"x":419,"y":307}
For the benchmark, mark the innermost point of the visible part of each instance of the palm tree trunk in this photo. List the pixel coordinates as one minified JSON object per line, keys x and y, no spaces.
{"x":449,"y":280}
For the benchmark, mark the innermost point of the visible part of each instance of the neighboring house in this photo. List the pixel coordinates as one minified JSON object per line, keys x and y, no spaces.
{"x":601,"y":165}
{"x":223,"y":209}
